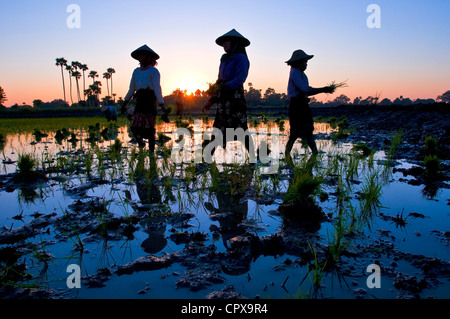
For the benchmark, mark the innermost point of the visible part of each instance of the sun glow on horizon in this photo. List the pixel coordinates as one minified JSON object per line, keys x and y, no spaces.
{"x":189,"y":86}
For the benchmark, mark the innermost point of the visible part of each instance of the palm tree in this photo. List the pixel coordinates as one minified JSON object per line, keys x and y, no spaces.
{"x":69,"y":69}
{"x":93,"y":75}
{"x":107,"y":76}
{"x":84,"y":67}
{"x":77,"y":76}
{"x":62,"y":63}
{"x":96,"y":88}
{"x":88,"y":93}
{"x":92,"y":92}
{"x":111,"y":71}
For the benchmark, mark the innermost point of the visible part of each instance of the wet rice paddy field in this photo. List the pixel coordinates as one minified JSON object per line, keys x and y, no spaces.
{"x":159,"y":227}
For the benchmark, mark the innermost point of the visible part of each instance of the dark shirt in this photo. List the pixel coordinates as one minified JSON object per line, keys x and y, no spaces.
{"x":234,"y":71}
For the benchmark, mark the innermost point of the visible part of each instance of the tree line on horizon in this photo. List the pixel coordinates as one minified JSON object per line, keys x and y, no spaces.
{"x":183,"y":101}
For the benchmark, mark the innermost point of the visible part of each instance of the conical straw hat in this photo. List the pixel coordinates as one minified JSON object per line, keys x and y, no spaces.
{"x":299,"y":55}
{"x":233,"y":34}
{"x":144,"y":49}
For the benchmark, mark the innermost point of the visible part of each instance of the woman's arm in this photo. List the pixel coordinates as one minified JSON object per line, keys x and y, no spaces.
{"x":129,"y":95}
{"x":301,"y":83}
{"x":325,"y":89}
{"x":156,"y":84}
{"x":132,"y":88}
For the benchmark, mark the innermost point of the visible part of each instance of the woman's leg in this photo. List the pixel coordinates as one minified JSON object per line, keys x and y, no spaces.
{"x":152,"y":141}
{"x":137,"y":136}
{"x":312,"y":144}
{"x":289,"y":145}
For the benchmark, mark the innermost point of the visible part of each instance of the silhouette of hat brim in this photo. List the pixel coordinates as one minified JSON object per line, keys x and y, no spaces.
{"x":299,"y":55}
{"x":233,"y":35}
{"x":146,"y":50}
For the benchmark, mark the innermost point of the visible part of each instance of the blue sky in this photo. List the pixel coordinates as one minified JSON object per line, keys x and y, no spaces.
{"x":407,"y":56}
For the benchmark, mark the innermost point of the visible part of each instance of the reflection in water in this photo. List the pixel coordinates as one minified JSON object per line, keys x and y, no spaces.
{"x":149,"y":193}
{"x":268,"y":134}
{"x":29,"y":195}
{"x":229,"y":191}
{"x":48,"y":148}
{"x":431,"y":191}
{"x":224,"y":190}
{"x":300,"y":207}
{"x":156,"y":240}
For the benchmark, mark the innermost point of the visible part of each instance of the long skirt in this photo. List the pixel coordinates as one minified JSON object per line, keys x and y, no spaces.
{"x":144,"y":116}
{"x":231,"y":111}
{"x":300,"y":118}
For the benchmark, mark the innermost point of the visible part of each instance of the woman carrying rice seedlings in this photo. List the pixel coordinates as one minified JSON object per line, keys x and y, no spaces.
{"x":228,"y":91}
{"x":300,"y":117}
{"x":146,"y":88}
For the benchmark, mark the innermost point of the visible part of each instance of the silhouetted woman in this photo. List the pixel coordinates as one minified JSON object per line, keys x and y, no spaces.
{"x":233,"y":71}
{"x":146,"y":88}
{"x":300,"y":117}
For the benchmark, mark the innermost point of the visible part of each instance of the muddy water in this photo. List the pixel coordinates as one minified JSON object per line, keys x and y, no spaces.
{"x":149,"y":240}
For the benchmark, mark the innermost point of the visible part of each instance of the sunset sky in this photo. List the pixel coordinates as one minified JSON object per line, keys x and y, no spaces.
{"x":408,"y":56}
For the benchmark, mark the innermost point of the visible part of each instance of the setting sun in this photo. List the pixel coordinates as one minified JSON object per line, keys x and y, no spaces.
{"x":186,"y":80}
{"x":190,"y":86}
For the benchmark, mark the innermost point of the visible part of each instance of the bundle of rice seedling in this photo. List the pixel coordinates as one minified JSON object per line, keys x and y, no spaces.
{"x":213,"y":92}
{"x":166,"y":112}
{"x":339,"y":85}
{"x":213,"y":88}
